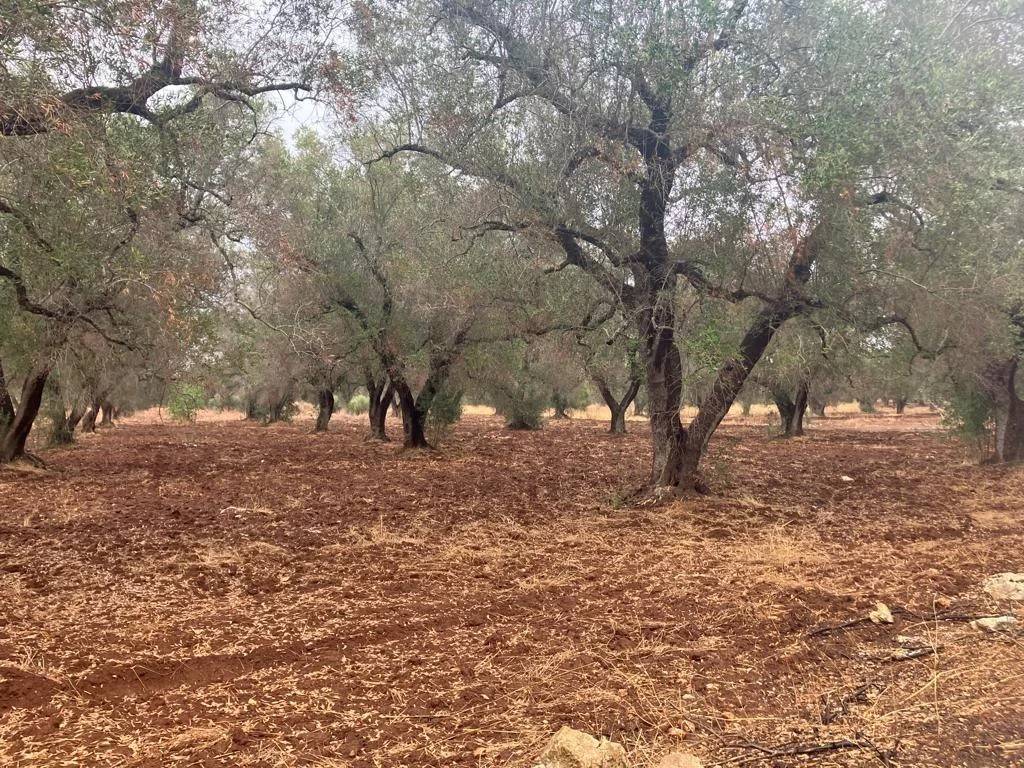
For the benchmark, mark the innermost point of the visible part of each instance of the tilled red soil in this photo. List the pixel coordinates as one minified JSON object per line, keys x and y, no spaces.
{"x":235,"y":595}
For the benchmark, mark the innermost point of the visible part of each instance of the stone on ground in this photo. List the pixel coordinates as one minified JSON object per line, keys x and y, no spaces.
{"x":994,"y":623}
{"x":680,"y":760}
{"x":1005,"y":586}
{"x":570,"y":748}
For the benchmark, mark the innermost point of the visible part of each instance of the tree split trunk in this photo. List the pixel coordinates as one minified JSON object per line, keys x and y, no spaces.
{"x":678,"y":451}
{"x":325,"y":409}
{"x":901,"y":405}
{"x":15,"y":436}
{"x":616,"y":406}
{"x":999,"y":382}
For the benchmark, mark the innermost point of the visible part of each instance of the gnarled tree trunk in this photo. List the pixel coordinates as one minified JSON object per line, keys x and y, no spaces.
{"x":791,"y":409}
{"x":107,"y":417}
{"x":414,"y":417}
{"x":999,"y":380}
{"x":325,"y":409}
{"x":13,"y":439}
{"x":89,"y":420}
{"x":381,"y":394}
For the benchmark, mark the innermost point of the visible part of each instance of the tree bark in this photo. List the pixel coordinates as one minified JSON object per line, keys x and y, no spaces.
{"x":999,"y":380}
{"x":817,"y":406}
{"x":89,"y":420}
{"x":381,"y":394}
{"x":107,"y":417}
{"x":76,"y":415}
{"x":414,"y":417}
{"x":12,"y":443}
{"x":64,"y":425}
{"x":901,"y":405}
{"x":800,"y":404}
{"x":616,"y":406}
{"x":325,"y":404}
{"x":786,"y":407}
{"x":7,"y":412}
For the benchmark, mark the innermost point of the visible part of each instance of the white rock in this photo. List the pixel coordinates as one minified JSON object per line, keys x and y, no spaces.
{"x":881,"y":614}
{"x":994,"y":623}
{"x":1005,"y":586}
{"x":570,"y":748}
{"x":680,"y":760}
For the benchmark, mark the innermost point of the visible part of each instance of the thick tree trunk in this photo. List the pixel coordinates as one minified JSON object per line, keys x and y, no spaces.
{"x":76,"y":415}
{"x":64,"y":425}
{"x":6,"y":404}
{"x":786,"y":407}
{"x":901,"y":405}
{"x":414,"y":418}
{"x":817,"y":406}
{"x":107,"y":417}
{"x":617,"y":407}
{"x":12,"y":443}
{"x":381,"y":394}
{"x":325,"y":405}
{"x":999,"y":381}
{"x":728,"y":383}
{"x":792,"y":410}
{"x":89,"y":420}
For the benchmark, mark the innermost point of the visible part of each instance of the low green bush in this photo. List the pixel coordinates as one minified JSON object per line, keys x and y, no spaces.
{"x":185,"y":401}
{"x":358,"y":405}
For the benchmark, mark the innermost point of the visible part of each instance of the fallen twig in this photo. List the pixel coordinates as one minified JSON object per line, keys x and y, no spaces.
{"x":797,"y":749}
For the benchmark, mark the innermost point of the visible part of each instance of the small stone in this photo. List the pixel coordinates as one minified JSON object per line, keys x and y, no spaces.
{"x":570,"y":748}
{"x":1005,"y":586}
{"x":994,"y":623}
{"x":846,"y":478}
{"x":911,"y":641}
{"x":881,"y":614}
{"x":680,"y":760}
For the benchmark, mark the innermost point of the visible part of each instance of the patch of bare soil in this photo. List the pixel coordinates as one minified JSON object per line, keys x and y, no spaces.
{"x":226,"y":594}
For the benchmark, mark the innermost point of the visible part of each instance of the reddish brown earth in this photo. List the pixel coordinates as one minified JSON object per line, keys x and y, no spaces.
{"x":226,"y":594}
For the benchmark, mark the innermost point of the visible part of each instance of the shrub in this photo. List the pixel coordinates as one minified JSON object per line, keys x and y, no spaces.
{"x":522,"y":405}
{"x":358,"y":405}
{"x":185,"y":401}
{"x":445,"y":410}
{"x":968,"y":416}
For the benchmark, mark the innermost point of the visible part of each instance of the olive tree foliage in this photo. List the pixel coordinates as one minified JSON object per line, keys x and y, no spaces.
{"x":90,"y":252}
{"x":773,"y":155}
{"x":157,"y":60}
{"x":383,"y":254}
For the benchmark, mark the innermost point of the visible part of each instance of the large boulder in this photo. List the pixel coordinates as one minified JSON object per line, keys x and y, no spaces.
{"x":570,"y":748}
{"x":1005,"y":586}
